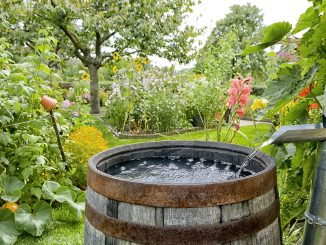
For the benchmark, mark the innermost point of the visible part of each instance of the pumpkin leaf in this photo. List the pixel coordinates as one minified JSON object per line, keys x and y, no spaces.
{"x":33,"y":221}
{"x":8,"y":230}
{"x":53,"y":191}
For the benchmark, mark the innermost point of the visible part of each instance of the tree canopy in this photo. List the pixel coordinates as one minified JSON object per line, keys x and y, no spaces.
{"x":94,"y":30}
{"x":230,"y":36}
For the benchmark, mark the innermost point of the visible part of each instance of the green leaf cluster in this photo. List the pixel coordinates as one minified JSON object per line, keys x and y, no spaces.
{"x":29,"y":154}
{"x":293,"y":90}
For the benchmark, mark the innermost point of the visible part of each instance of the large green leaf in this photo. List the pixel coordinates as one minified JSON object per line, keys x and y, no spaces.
{"x":11,"y":188}
{"x":298,"y":114}
{"x":306,"y":20}
{"x":53,"y":191}
{"x":289,"y":82}
{"x":11,"y":196}
{"x":8,"y":230}
{"x":271,"y":35}
{"x":33,"y":221}
{"x":11,"y":183}
{"x":76,"y":208}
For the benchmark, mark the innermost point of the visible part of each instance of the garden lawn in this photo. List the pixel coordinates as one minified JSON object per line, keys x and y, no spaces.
{"x":63,"y":232}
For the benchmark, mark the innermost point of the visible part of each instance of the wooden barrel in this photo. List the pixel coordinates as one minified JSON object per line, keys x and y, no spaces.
{"x":241,"y":211}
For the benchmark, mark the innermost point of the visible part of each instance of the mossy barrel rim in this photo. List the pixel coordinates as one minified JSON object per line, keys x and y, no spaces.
{"x":180,"y":195}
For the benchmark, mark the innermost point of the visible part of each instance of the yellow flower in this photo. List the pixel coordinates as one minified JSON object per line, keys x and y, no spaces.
{"x":116,"y":56}
{"x":85,"y":76}
{"x":139,"y":67}
{"x":259,"y":104}
{"x":137,"y":60}
{"x":146,"y":61}
{"x":285,"y":109}
{"x":115,"y":69}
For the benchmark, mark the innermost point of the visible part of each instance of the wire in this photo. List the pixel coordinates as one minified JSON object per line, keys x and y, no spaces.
{"x":14,"y":124}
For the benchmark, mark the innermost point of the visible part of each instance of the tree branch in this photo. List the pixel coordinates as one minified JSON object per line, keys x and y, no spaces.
{"x":74,"y":40}
{"x":98,"y":45}
{"x":80,"y":56}
{"x":109,"y":55}
{"x":107,"y":36}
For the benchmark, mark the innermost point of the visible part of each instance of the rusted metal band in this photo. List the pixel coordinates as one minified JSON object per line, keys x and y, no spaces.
{"x":182,"y":235}
{"x":182,"y":196}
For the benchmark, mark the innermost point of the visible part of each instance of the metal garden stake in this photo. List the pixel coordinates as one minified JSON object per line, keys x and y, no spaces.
{"x":49,"y":104}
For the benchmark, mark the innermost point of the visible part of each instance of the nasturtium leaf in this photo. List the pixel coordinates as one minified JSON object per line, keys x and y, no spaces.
{"x":8,"y":230}
{"x":33,"y":221}
{"x":306,"y":20}
{"x":271,"y":35}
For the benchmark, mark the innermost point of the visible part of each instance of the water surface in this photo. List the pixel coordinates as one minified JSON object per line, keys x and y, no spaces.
{"x":175,"y":169}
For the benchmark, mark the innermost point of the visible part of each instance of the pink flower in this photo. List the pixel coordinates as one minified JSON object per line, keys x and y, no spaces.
{"x":243,"y":100}
{"x":240,"y":112}
{"x":239,"y":91}
{"x":232,"y":101}
{"x":66,"y":104}
{"x":246,"y":90}
{"x":236,"y":126}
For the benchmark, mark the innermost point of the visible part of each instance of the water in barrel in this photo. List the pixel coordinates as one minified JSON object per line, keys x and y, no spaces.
{"x":176,"y":169}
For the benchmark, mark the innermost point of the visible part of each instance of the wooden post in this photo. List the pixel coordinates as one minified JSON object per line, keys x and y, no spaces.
{"x":64,"y":159}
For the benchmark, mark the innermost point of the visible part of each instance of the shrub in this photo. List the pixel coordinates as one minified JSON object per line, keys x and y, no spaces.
{"x":83,"y":143}
{"x":258,"y":90}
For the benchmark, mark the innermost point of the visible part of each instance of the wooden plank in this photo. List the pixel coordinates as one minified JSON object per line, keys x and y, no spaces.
{"x":100,"y":202}
{"x":93,"y":236}
{"x":192,"y":216}
{"x":136,"y":213}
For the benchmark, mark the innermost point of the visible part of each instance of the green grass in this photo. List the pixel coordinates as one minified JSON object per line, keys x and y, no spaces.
{"x":64,"y":232}
{"x":59,"y":232}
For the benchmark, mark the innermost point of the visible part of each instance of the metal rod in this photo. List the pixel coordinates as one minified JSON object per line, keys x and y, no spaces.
{"x":315,"y":234}
{"x":64,"y":159}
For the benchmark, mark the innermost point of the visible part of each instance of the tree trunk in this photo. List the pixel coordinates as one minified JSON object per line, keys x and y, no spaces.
{"x":95,"y":100}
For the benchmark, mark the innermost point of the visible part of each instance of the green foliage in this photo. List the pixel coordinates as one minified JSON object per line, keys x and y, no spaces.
{"x":271,"y":35}
{"x":107,"y":25}
{"x":149,"y":100}
{"x":295,"y":94}
{"x":8,"y":230}
{"x":33,"y":221}
{"x":220,"y":59}
{"x":29,"y":155}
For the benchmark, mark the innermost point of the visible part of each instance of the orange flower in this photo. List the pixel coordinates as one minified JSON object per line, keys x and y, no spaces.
{"x":313,"y":106}
{"x":305,"y":92}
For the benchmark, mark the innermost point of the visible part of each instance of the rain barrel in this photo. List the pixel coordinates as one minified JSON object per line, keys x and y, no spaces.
{"x":237,"y":211}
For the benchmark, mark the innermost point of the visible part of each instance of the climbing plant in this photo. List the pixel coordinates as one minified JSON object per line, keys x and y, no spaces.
{"x":296,"y":96}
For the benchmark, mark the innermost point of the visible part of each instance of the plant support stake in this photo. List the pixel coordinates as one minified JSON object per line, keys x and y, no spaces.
{"x":49,"y":104}
{"x":58,"y":137}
